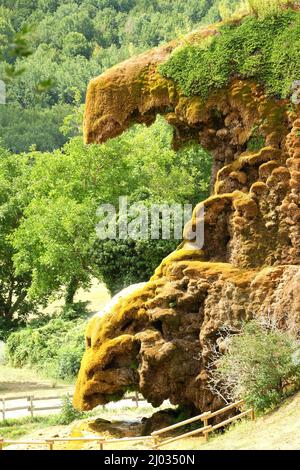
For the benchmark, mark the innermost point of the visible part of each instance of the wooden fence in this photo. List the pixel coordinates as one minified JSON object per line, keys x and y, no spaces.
{"x":155,"y":437}
{"x":49,"y":443}
{"x":206,"y":429}
{"x":32,"y":407}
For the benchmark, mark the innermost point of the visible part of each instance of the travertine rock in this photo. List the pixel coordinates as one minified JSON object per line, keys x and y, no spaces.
{"x":159,"y":339}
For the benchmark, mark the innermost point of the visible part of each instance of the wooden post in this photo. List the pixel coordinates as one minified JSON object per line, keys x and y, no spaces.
{"x":252,"y":415}
{"x":156,"y":442}
{"x":1,"y":443}
{"x":101,"y":445}
{"x":30,"y":407}
{"x":3,"y":409}
{"x":205,"y":424}
{"x":137,"y":399}
{"x":50,"y":444}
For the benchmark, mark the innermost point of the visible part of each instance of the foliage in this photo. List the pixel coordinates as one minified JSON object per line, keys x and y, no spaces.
{"x":266,"y":50}
{"x":68,"y":414}
{"x":55,"y":348}
{"x":262,"y":8}
{"x":13,"y":287}
{"x":261,"y":365}
{"x":48,"y":207}
{"x":57,"y":240}
{"x":21,"y":129}
{"x":7,"y":326}
{"x":48,"y":48}
{"x":126,"y":262}
{"x":256,"y":141}
{"x":228,"y":9}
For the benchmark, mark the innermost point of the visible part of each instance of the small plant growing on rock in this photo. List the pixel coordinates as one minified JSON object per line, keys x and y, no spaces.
{"x":260,"y":364}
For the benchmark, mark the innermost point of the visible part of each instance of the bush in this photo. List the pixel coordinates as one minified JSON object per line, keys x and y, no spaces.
{"x":68,"y":414}
{"x":55,"y":348}
{"x":261,"y":365}
{"x":75,"y":311}
{"x":68,"y":363}
{"x":7,"y":327}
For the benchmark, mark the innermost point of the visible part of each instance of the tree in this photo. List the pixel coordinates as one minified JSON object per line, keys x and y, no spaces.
{"x":50,"y":47}
{"x":13,"y":287}
{"x":76,"y":44}
{"x":57,"y":236}
{"x":21,"y":129}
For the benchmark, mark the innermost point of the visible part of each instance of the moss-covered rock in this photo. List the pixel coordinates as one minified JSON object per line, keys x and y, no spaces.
{"x":231,"y":93}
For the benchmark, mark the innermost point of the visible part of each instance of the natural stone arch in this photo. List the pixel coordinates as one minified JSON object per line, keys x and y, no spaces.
{"x":159,"y":339}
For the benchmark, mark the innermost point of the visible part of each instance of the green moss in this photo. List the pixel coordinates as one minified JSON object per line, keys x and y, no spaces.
{"x":134,"y":364}
{"x":267,"y":50}
{"x":256,"y":141}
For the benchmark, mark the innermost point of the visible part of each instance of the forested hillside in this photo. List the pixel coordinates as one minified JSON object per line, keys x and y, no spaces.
{"x":73,"y":41}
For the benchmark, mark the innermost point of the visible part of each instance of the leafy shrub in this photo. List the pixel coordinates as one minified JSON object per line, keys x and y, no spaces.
{"x":68,"y":414}
{"x":74,"y":311}
{"x":261,"y":365}
{"x":68,"y":363}
{"x":55,"y":348}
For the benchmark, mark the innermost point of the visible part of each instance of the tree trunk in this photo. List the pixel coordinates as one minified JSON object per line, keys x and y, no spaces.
{"x":71,"y":291}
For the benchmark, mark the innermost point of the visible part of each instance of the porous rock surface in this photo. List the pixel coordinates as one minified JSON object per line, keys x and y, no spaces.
{"x":159,"y":339}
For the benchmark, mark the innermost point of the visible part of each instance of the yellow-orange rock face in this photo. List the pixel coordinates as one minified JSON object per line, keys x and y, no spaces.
{"x":159,"y":340}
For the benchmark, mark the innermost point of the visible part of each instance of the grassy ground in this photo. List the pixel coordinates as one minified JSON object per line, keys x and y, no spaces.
{"x":278,"y":430}
{"x":17,"y":382}
{"x":17,"y":428}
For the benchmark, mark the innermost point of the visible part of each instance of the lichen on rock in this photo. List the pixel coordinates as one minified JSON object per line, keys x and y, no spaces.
{"x":159,"y":339}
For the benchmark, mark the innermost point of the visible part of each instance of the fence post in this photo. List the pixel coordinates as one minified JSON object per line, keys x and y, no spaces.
{"x":205,"y":423}
{"x":156,"y":442}
{"x":101,"y":445}
{"x":252,"y":415}
{"x":50,"y":444}
{"x":30,"y":407}
{"x":1,"y":443}
{"x":137,"y":399}
{"x":3,"y":409}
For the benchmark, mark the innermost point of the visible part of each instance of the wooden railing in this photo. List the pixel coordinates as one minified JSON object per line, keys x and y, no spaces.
{"x":155,"y":437}
{"x":49,"y":443}
{"x":206,"y":429}
{"x":31,"y":407}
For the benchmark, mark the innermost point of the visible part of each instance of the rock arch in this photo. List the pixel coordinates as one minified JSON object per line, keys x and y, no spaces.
{"x":158,"y":340}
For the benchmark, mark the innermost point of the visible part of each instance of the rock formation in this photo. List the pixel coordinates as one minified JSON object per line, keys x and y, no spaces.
{"x":158,"y":340}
